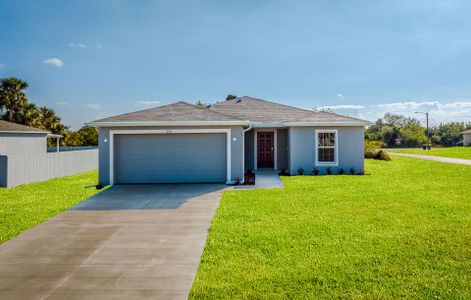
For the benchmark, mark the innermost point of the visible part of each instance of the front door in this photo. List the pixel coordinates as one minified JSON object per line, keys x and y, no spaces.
{"x":265,"y":149}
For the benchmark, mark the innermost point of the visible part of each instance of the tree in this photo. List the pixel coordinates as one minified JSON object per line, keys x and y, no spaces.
{"x":29,"y":116}
{"x":88,"y":135}
{"x":12,"y":97}
{"x":201,"y":104}
{"x":230,"y":97}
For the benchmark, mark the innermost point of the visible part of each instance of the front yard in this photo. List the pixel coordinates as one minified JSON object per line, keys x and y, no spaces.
{"x":402,"y":231}
{"x":453,"y":152}
{"x":27,"y":205}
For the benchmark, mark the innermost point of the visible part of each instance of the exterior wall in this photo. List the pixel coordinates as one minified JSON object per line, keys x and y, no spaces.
{"x":282,"y":147}
{"x":22,"y":143}
{"x":104,"y":148}
{"x":302,"y":149}
{"x":249,"y":149}
{"x":19,"y":169}
{"x":467,"y":139}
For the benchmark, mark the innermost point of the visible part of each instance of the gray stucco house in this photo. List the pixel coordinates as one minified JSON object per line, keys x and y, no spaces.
{"x":181,"y":142}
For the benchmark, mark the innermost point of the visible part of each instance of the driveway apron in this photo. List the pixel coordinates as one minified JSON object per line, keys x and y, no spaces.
{"x":128,"y":242}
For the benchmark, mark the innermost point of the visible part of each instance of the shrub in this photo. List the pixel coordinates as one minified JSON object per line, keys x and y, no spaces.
{"x":300,"y":171}
{"x":315,"y":171}
{"x":329,"y":171}
{"x":372,"y":145}
{"x":362,"y":172}
{"x":341,"y":171}
{"x":352,"y":171}
{"x":377,"y":154}
{"x":382,"y":155}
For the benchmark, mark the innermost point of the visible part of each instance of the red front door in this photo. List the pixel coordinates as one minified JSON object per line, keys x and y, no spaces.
{"x":265,"y":149}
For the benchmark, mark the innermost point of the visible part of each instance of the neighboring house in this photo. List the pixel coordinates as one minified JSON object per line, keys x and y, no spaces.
{"x":181,"y":142}
{"x":24,"y":157}
{"x":467,"y":138}
{"x":20,"y":139}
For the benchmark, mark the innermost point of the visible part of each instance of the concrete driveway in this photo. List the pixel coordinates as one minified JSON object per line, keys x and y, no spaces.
{"x":128,"y":242}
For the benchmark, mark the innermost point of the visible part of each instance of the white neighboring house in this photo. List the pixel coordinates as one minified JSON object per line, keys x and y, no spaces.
{"x":467,"y":138}
{"x":24,"y":157}
{"x":20,"y":139}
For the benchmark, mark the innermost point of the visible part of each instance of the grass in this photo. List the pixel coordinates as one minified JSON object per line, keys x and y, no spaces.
{"x":403,"y":231}
{"x":28,"y":205}
{"x":453,"y":152}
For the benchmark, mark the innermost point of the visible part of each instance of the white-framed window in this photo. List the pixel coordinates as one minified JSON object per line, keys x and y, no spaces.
{"x":326,"y":147}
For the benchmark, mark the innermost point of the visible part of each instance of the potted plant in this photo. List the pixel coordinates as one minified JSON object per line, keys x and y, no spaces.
{"x":300,"y":171}
{"x":352,"y":171}
{"x":315,"y":171}
{"x":329,"y":171}
{"x":341,"y":171}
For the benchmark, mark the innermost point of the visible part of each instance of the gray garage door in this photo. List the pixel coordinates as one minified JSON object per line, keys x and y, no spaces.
{"x":170,"y":158}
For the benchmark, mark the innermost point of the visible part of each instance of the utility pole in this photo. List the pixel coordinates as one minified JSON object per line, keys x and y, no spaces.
{"x":427,"y":130}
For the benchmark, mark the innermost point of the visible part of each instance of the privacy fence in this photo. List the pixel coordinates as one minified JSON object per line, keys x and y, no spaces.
{"x":25,"y":168}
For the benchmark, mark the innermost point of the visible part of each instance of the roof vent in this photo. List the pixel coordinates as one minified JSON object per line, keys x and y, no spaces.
{"x":238,"y":100}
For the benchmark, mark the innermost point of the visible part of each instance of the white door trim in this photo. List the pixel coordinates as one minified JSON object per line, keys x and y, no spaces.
{"x":112,"y":133}
{"x":275,"y":151}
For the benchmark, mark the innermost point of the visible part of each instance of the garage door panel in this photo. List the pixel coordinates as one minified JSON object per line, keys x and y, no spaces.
{"x":170,"y":158}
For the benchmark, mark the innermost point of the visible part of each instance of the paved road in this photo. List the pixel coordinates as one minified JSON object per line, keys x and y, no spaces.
{"x":457,"y":161}
{"x":128,"y":242}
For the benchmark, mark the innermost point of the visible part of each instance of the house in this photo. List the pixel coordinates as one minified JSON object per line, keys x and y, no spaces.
{"x":24,"y":157}
{"x":20,"y":139}
{"x":467,"y":138}
{"x":181,"y":142}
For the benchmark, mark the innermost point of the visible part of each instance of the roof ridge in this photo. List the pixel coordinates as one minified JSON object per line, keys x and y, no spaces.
{"x":209,"y":109}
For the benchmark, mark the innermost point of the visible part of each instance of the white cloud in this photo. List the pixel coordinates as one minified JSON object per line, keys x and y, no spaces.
{"x":94,"y":106}
{"x":62,"y":103}
{"x":54,"y":61}
{"x":2,"y":66}
{"x":148,"y":102}
{"x":98,"y":46}
{"x":340,"y":96}
{"x":77,"y":45}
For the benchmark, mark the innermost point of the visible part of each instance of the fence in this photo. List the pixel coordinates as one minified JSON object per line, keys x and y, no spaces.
{"x":25,"y":168}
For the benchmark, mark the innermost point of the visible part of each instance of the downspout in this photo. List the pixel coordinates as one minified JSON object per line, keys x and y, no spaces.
{"x":243,"y":150}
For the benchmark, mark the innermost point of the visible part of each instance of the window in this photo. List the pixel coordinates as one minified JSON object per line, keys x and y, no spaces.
{"x":326,"y":147}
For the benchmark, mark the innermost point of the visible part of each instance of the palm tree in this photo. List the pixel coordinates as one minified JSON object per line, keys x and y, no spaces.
{"x":12,"y":97}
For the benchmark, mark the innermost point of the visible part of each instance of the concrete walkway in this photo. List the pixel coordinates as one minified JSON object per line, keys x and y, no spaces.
{"x":449,"y":160}
{"x":113,"y":254}
{"x":268,"y":179}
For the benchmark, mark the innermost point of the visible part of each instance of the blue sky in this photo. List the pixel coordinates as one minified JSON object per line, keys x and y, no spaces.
{"x":91,"y":59}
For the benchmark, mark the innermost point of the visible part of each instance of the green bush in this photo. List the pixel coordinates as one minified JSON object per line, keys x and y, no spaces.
{"x":373,"y":150}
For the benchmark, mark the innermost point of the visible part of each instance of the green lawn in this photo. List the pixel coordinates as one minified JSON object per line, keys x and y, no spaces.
{"x":404,"y":231}
{"x":27,"y":205}
{"x":454,"y":152}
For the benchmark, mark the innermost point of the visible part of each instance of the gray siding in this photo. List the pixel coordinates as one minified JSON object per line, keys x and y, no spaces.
{"x":236,"y":149}
{"x":282,"y":147}
{"x":249,"y":149}
{"x":170,"y":158}
{"x":21,"y":143}
{"x":467,"y":139}
{"x":302,"y":149}
{"x":33,"y":167}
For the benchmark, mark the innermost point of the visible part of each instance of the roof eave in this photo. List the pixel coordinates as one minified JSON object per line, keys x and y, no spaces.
{"x":329,"y":124}
{"x":25,"y":132}
{"x":167,"y":123}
